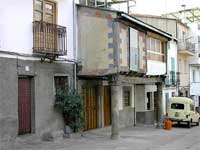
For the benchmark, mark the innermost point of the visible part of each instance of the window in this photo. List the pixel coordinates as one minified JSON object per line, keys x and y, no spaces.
{"x":183,"y":36}
{"x":61,"y":83}
{"x":134,"y":50}
{"x":149,"y":100}
{"x":126,"y":96}
{"x":158,"y":46}
{"x":177,"y":106}
{"x":154,"y":49}
{"x":198,"y":26}
{"x":45,"y":11}
{"x":193,"y":75}
{"x":191,"y":107}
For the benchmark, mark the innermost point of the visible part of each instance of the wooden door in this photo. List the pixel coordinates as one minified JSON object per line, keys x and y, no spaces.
{"x":107,"y":106}
{"x":90,"y":107}
{"x":24,"y":105}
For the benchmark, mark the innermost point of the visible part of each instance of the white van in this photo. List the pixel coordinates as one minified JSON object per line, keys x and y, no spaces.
{"x":181,"y":109}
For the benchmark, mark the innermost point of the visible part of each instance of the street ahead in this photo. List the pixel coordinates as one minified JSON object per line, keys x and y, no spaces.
{"x":134,"y":138}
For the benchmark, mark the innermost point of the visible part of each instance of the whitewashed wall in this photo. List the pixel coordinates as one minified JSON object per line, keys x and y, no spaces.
{"x":155,"y":68}
{"x":16,"y":25}
{"x":172,"y":53}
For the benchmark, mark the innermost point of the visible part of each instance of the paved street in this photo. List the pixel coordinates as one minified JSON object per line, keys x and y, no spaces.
{"x":138,"y":138}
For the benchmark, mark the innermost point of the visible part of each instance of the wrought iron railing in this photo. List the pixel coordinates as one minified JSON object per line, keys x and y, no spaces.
{"x":172,"y":79}
{"x":187,"y":45}
{"x":49,"y":38}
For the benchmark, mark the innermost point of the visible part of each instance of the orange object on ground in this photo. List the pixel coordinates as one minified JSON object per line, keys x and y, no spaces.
{"x":168,"y":124}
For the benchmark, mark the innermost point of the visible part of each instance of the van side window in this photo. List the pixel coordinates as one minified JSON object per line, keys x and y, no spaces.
{"x":191,"y":107}
{"x":177,"y":106}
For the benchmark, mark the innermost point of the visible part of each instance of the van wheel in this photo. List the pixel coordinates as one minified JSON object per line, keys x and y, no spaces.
{"x":198,"y":123}
{"x":189,"y":124}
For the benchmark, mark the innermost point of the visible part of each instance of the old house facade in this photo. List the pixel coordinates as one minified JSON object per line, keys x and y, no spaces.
{"x":172,"y":77}
{"x":36,"y":57}
{"x":119,"y":53}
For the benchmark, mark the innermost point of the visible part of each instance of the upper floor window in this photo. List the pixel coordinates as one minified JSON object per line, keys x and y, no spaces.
{"x":45,"y":10}
{"x":193,"y":76}
{"x":154,"y":49}
{"x":183,"y":36}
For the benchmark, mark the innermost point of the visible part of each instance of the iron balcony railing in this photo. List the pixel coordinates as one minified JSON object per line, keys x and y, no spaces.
{"x":186,"y":45}
{"x":49,"y":38}
{"x":172,"y":79}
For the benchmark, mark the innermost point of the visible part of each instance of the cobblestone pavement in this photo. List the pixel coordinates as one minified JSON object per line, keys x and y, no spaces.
{"x":137,"y":138}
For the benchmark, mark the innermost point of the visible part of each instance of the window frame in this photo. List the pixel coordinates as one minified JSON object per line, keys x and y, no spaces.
{"x":178,"y":104}
{"x":60,"y":75}
{"x":43,"y":10}
{"x":152,"y":50}
{"x":125,"y":89}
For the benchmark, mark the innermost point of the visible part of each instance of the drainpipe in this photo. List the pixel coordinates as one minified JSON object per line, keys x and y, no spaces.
{"x":74,"y":42}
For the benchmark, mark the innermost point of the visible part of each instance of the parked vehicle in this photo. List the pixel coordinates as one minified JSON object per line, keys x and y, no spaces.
{"x":181,"y":109}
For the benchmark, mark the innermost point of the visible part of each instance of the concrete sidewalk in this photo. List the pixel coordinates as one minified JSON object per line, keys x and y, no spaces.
{"x":137,"y":138}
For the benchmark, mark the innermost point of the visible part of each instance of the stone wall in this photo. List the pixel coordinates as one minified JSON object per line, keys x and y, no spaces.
{"x":127,"y":117}
{"x":43,"y":116}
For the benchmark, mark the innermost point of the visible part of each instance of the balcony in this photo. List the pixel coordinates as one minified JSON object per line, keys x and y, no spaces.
{"x":172,"y":79}
{"x":49,"y":39}
{"x":186,"y":47}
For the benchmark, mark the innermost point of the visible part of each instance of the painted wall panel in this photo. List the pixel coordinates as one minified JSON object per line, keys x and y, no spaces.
{"x":95,"y":41}
{"x":123,"y":48}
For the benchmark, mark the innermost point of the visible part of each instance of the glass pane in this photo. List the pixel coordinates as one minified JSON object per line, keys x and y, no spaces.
{"x":177,"y":106}
{"x":148,"y":43}
{"x":37,"y":16}
{"x":49,"y":8}
{"x":49,"y":18}
{"x":158,"y":49}
{"x":152,"y":44}
{"x":38,"y":5}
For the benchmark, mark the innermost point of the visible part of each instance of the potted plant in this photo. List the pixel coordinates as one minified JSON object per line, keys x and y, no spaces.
{"x":70,"y":105}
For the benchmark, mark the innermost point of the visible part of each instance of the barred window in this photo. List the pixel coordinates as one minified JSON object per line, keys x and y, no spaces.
{"x":126,"y":96}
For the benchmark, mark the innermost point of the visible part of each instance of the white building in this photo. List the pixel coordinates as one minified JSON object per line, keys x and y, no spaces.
{"x":170,"y":88}
{"x":195,"y":64}
{"x":31,"y":31}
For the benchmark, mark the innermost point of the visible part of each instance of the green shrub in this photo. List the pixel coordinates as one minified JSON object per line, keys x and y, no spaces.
{"x":70,"y":105}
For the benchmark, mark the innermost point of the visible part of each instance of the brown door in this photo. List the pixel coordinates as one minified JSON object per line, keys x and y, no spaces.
{"x":90,"y":107}
{"x":107,"y":106}
{"x":24,"y":105}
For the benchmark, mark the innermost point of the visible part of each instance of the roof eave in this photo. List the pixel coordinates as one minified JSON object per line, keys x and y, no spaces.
{"x":165,"y":34}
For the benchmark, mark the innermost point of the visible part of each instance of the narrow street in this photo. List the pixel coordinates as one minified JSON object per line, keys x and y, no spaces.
{"x":138,"y":138}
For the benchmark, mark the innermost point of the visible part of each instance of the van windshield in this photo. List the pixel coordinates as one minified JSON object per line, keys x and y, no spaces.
{"x":177,"y":106}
